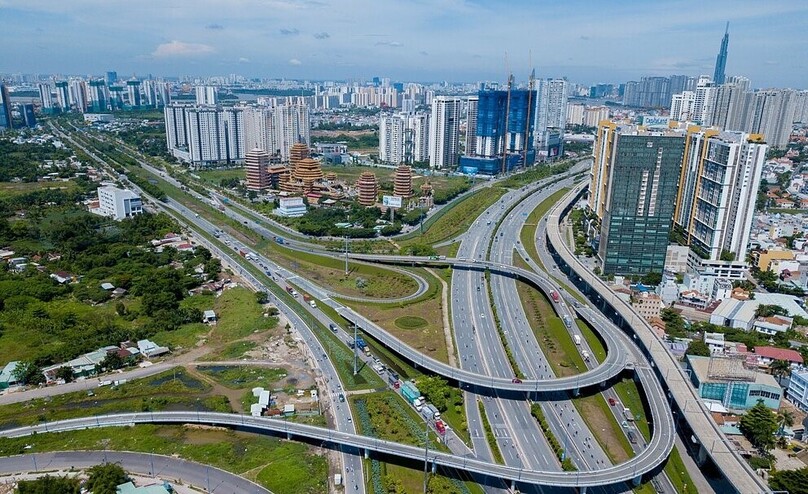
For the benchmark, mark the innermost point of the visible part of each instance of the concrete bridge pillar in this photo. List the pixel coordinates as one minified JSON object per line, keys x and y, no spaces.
{"x":576,"y":391}
{"x":582,"y":490}
{"x":701,"y":457}
{"x":637,"y":480}
{"x":289,"y":436}
{"x":367,"y":453}
{"x":434,"y":467}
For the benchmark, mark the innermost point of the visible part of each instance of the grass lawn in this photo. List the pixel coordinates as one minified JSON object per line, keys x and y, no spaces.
{"x":246,"y":377}
{"x":553,"y":337}
{"x":528,"y":233}
{"x":216,"y":176}
{"x":429,"y":339}
{"x":605,"y":428}
{"x":330,"y":273}
{"x":630,"y":398}
{"x":387,"y":416}
{"x":171,"y":390}
{"x":677,"y":472}
{"x":489,"y":434}
{"x":456,"y":220}
{"x":283,"y":467}
{"x":10,"y":190}
{"x":231,"y":351}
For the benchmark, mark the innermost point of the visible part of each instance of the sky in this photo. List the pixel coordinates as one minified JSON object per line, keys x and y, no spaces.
{"x":407,"y":40}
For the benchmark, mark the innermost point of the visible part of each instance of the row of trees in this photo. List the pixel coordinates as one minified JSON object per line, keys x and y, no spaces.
{"x":102,"y":479}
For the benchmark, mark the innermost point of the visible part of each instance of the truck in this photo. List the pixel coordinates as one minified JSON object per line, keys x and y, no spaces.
{"x":554,"y":296}
{"x":410,"y":393}
{"x":306,"y":297}
{"x":577,"y":339}
{"x":567,"y":322}
{"x":312,"y":304}
{"x":279,"y":240}
{"x":242,"y":253}
{"x":337,"y":479}
{"x":426,"y":412}
{"x":392,"y":377}
{"x":627,"y":413}
{"x":434,"y":412}
{"x":632,"y":438}
{"x":289,"y":290}
{"x":360,"y":342}
{"x":440,"y":427}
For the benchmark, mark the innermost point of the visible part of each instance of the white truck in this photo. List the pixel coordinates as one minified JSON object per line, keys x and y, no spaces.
{"x":577,"y":339}
{"x":313,"y":304}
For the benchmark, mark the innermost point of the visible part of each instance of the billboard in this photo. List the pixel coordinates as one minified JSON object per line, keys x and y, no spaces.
{"x":391,"y":201}
{"x":655,"y":122}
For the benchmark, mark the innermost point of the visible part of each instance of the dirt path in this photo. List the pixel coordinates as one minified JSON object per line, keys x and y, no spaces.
{"x":447,"y":328}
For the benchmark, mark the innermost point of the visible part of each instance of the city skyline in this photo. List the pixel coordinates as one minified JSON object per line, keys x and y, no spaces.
{"x":325,"y":40}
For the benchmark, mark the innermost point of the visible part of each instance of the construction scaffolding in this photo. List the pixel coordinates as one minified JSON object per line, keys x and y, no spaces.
{"x":730,"y":368}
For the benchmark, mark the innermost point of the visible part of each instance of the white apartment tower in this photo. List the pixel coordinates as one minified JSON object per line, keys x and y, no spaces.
{"x":205,"y":95}
{"x":719,"y":182}
{"x":46,"y":96}
{"x":471,"y":125}
{"x":404,"y":138}
{"x":292,"y":125}
{"x":551,"y":107}
{"x":259,"y":129}
{"x":444,"y":131}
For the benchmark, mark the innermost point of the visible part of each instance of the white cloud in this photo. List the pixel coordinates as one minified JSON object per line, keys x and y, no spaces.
{"x":243,"y":60}
{"x":294,"y":61}
{"x":180,"y":49}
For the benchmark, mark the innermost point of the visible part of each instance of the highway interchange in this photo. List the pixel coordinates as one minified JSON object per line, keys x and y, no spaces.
{"x":484,"y":369}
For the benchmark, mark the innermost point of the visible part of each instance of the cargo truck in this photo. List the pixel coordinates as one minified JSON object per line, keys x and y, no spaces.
{"x":434,"y":413}
{"x":410,"y":393}
{"x":577,"y":339}
{"x":627,"y":413}
{"x":392,"y":377}
{"x":360,"y":342}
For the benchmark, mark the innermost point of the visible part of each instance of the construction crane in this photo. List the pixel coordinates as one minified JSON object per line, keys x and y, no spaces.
{"x":505,"y":133}
{"x":526,"y":142}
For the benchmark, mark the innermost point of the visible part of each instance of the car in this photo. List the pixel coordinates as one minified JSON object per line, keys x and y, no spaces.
{"x":341,"y":398}
{"x":612,"y":402}
{"x":350,"y":420}
{"x":516,"y":380}
{"x":478,"y":288}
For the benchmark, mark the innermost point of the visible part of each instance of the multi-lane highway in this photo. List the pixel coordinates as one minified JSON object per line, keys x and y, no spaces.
{"x":665,"y":368}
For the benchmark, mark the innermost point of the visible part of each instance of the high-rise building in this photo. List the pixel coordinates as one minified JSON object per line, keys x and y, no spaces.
{"x":5,"y":108}
{"x":635,"y":174}
{"x":99,"y":100}
{"x":719,"y":183}
{"x":78,"y":95}
{"x":256,"y":164}
{"x":112,"y":77}
{"x":63,"y":95}
{"x":648,"y":92}
{"x":292,"y":124}
{"x":682,"y":106}
{"x":550,"y":108}
{"x":133,"y":93}
{"x":721,"y":59}
{"x":206,"y":95}
{"x":234,"y":127}
{"x":593,"y":115}
{"x":444,"y":131}
{"x":575,"y":114}
{"x":504,"y":132}
{"x":403,"y":138}
{"x":704,"y":100}
{"x":771,"y":113}
{"x":176,"y":126}
{"x":164,"y":93}
{"x":28,"y":116}
{"x":259,"y":129}
{"x":46,"y":97}
{"x":471,"y":125}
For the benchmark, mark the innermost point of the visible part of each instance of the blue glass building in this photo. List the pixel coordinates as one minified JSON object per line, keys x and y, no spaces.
{"x":494,"y":114}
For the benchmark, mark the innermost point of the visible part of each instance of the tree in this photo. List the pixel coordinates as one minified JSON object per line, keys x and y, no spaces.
{"x":261,"y":297}
{"x":793,"y":481}
{"x":49,"y":485}
{"x":112,"y":361}
{"x":785,"y":418}
{"x":653,"y":278}
{"x":780,"y":369}
{"x":758,"y":425}
{"x":765,"y":310}
{"x":65,"y":373}
{"x":28,"y":373}
{"x":698,"y":347}
{"x":104,"y":479}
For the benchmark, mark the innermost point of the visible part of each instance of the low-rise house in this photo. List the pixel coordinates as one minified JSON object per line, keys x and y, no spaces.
{"x":7,"y":378}
{"x":151,"y":349}
{"x":768,"y":354}
{"x":773,"y":325}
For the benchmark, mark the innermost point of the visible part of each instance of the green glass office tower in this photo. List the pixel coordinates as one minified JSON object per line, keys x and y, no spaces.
{"x":641,"y":174}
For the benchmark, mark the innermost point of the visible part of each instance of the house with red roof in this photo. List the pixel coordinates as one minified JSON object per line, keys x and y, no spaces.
{"x":768,"y":354}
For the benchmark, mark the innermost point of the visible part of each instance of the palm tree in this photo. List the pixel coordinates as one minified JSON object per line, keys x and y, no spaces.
{"x":786,"y":419}
{"x":780,"y":369}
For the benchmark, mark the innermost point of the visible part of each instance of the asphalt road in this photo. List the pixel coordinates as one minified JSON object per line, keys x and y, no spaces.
{"x":211,"y":479}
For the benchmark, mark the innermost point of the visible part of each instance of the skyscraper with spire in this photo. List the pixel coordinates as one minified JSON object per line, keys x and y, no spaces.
{"x":721,"y":60}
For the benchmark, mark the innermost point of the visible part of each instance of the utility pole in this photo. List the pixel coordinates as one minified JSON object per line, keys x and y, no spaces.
{"x":346,"y":255}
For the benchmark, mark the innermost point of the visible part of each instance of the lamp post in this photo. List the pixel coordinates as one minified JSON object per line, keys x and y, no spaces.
{"x":426,"y":451}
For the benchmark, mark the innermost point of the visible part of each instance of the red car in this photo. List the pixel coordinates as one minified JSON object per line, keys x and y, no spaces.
{"x":612,"y":402}
{"x":440,"y":427}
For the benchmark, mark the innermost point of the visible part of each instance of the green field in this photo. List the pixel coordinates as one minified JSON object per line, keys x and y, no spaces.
{"x":171,"y":390}
{"x":245,"y":377}
{"x":10,"y":190}
{"x":284,"y":467}
{"x":215,"y":177}
{"x":450,"y":222}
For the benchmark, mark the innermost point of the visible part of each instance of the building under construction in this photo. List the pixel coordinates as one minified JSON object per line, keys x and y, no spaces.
{"x":733,"y":383}
{"x":502,"y":138}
